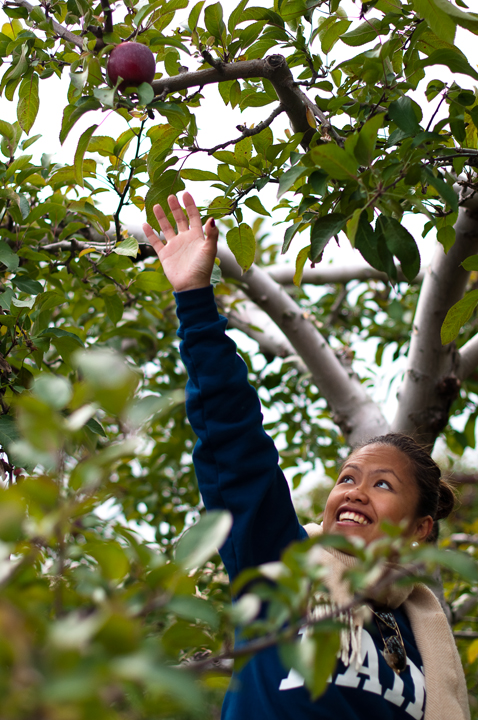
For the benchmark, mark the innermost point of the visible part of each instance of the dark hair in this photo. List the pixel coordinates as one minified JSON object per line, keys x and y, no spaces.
{"x":436,"y":496}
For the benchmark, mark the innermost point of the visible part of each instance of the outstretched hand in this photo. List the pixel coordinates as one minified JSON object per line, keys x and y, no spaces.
{"x":187,"y":256}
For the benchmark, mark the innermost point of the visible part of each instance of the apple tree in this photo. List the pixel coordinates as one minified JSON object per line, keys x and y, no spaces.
{"x":103,"y":612}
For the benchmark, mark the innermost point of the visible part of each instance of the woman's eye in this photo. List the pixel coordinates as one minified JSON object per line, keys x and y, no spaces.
{"x":346,"y":479}
{"x":385,"y":484}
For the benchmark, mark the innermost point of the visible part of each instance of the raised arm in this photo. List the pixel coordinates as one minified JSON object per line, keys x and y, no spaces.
{"x":236,"y":461}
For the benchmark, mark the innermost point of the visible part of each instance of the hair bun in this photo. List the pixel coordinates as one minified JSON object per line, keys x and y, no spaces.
{"x":446,"y":500}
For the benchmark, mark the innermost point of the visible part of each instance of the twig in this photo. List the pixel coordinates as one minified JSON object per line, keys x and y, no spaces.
{"x":116,"y":215}
{"x":108,"y":13}
{"x":465,"y":634}
{"x":444,"y":94}
{"x":246,"y":132}
{"x":389,"y":576}
{"x":59,"y":29}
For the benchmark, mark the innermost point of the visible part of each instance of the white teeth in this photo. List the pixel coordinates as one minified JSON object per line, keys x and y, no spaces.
{"x":355,"y":517}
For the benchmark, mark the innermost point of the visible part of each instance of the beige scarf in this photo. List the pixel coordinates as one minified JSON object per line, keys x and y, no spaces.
{"x":447,"y":697}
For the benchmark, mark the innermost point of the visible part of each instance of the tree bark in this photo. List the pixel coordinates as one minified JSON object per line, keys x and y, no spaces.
{"x":353,"y":410}
{"x":273,"y":68}
{"x":431,"y":381}
{"x":283,"y":274}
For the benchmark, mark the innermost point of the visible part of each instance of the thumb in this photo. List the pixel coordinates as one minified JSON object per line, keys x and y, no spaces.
{"x":211,"y":232}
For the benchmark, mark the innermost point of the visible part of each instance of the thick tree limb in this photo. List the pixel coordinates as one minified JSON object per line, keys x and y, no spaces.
{"x":273,"y":68}
{"x":59,"y":29}
{"x":326,"y":275}
{"x":468,"y":355}
{"x":354,"y":411}
{"x":254,"y":323}
{"x":431,"y":382}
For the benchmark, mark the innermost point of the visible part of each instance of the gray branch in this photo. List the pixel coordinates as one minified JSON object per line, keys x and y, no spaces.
{"x":327,"y":275}
{"x":431,"y":381}
{"x":468,"y":355}
{"x":273,"y":68}
{"x":59,"y":29}
{"x":353,"y":410}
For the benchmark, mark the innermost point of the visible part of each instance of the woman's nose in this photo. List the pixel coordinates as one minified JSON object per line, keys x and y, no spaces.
{"x":357,"y":493}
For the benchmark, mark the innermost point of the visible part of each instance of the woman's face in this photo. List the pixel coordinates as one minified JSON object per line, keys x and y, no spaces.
{"x":375,"y":484}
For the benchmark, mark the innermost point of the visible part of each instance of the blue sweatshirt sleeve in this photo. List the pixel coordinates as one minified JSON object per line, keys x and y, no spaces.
{"x":236,"y":462}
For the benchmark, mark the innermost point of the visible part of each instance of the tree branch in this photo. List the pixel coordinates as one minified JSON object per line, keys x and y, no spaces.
{"x":468,"y":358}
{"x":246,"y":132}
{"x":108,"y":13}
{"x":59,"y":29}
{"x":431,"y":382}
{"x":283,"y":274}
{"x":354,"y":411}
{"x":273,"y":68}
{"x":256,"y":324}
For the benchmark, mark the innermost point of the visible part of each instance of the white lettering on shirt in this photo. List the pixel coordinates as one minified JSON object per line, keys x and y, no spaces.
{"x":369,"y":668}
{"x":416,"y":709}
{"x":350,"y":678}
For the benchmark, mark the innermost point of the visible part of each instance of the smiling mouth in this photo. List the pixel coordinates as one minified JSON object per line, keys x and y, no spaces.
{"x":349,"y":516}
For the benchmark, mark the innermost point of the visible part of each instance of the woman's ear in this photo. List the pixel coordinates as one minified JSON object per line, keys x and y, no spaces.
{"x":423,"y":528}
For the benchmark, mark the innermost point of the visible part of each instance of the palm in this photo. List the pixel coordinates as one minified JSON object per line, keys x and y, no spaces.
{"x":188,"y":256}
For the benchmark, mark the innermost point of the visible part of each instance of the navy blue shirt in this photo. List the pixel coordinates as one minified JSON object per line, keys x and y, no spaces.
{"x":237,"y":468}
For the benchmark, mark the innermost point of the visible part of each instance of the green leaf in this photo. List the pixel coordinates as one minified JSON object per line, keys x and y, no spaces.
{"x":8,"y":257}
{"x":114,"y":308}
{"x":452,"y":60}
{"x":457,"y":316}
{"x":169,"y":183}
{"x":458,"y":562}
{"x":367,"y":139}
{"x":352,"y":225}
{"x":236,"y":16}
{"x":151,"y":282}
{"x":401,"y":244}
{"x":242,"y":243}
{"x":213,"y":20}
{"x":195,"y":609}
{"x":198,"y":175}
{"x":333,"y":34}
{"x":364,"y":33}
{"x":110,"y":556}
{"x":366,"y":242}
{"x":8,"y":431}
{"x":322,"y":231}
{"x":471,"y":263}
{"x":299,"y":265}
{"x":127,"y":247}
{"x":402,"y":113}
{"x":443,"y":189}
{"x":27,"y":285}
{"x":28,"y":102}
{"x":81,"y":148}
{"x":439,"y":21}
{"x":204,"y":539}
{"x":335,"y":161}
{"x":446,"y":236}
{"x":287,"y":179}
{"x":255,"y":204}
{"x":145,"y":93}
{"x":72,"y":113}
{"x":194,"y":15}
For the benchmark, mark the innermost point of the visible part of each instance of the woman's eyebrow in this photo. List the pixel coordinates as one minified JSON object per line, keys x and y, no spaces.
{"x":386,"y":470}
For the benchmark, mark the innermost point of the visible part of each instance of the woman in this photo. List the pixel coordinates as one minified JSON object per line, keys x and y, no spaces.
{"x":383,"y":668}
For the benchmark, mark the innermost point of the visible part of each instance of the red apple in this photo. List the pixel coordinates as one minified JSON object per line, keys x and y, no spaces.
{"x":133,"y":62}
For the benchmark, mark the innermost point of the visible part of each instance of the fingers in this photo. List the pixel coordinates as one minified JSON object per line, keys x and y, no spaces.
{"x":152,"y":238}
{"x":192,"y":211}
{"x":210,"y":231}
{"x":178,"y":214}
{"x":164,"y":223}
